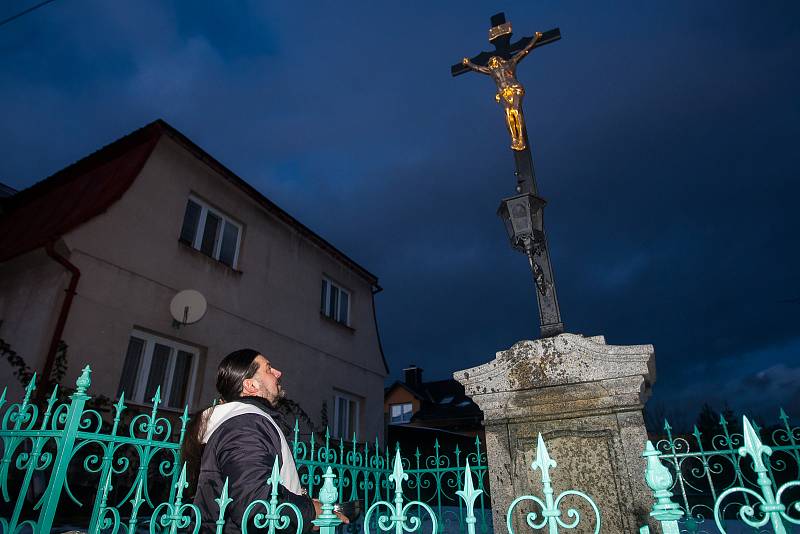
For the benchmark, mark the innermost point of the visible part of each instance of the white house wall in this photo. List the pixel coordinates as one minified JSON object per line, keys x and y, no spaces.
{"x":132,"y":264}
{"x":31,"y":292}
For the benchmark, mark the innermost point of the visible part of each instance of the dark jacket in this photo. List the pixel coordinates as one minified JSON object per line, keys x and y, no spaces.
{"x":244,"y":449}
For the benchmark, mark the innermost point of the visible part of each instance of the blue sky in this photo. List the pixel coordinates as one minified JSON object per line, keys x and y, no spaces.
{"x":665,"y":138}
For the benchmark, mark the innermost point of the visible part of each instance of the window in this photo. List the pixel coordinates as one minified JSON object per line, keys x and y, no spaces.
{"x":345,"y":416}
{"x":400,"y":413}
{"x":335,"y":302}
{"x":152,"y":362}
{"x":211,"y":232}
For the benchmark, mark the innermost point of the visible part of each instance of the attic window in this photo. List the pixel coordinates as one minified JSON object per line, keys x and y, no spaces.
{"x":446,"y":400}
{"x":211,"y":232}
{"x":400,"y":413}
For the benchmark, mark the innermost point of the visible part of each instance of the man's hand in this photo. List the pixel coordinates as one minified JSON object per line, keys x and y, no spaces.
{"x":318,"y":510}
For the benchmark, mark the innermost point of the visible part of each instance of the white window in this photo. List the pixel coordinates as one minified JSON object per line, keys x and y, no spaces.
{"x":345,"y":416}
{"x":335,"y":302}
{"x":152,"y":362}
{"x":400,"y":413}
{"x":211,"y":232}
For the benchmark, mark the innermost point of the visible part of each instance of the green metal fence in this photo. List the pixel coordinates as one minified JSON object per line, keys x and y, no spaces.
{"x":363,"y":471}
{"x":71,"y":463}
{"x":127,"y":476}
{"x":756,"y":498}
{"x":703,"y":468}
{"x":69,"y":458}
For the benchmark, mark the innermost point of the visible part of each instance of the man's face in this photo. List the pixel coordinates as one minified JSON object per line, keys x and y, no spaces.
{"x":265,"y":383}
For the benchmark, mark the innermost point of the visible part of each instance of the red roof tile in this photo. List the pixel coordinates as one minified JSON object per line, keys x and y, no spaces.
{"x":87,"y":188}
{"x":73,"y":195}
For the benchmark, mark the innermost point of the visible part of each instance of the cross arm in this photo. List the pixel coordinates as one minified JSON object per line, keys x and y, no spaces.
{"x":548,"y":37}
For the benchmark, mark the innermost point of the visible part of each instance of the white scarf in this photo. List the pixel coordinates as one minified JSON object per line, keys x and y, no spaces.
{"x":223,"y":412}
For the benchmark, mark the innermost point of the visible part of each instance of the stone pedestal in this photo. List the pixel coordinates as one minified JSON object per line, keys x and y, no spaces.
{"x":586,"y":399}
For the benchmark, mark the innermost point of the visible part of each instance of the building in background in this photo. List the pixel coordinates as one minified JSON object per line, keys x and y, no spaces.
{"x":94,"y":254}
{"x":5,"y":193}
{"x":420,"y":412}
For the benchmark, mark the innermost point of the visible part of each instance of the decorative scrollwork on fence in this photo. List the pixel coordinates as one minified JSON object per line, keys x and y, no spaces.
{"x":114,"y":465}
{"x":398,"y":518}
{"x":274,"y":517}
{"x":769,"y":508}
{"x":69,"y":454}
{"x":705,"y":470}
{"x":177,"y":515}
{"x":363,"y":471}
{"x":550,"y":514}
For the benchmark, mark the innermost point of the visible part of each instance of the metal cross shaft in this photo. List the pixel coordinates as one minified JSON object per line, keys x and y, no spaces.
{"x":501,"y":66}
{"x":547,"y":298}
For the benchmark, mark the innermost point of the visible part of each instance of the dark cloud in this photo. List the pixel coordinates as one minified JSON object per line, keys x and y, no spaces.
{"x":665,"y":139}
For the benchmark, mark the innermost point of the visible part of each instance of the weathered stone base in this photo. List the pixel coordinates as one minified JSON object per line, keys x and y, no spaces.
{"x":586,"y":399}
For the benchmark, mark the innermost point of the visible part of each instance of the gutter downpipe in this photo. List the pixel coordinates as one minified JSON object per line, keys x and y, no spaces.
{"x":62,"y":317}
{"x":375,"y":290}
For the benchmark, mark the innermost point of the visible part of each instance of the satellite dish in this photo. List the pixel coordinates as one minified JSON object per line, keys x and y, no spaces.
{"x":187,"y":307}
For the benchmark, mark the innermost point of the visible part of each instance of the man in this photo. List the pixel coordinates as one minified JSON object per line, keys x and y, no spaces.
{"x":240,"y":440}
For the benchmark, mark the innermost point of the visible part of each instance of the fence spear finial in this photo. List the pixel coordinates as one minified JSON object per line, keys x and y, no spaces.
{"x":84,"y":381}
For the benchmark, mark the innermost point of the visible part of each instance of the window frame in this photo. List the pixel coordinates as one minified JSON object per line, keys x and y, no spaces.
{"x":197,"y":241}
{"x":352,"y":402}
{"x":145,"y":362}
{"x":401,"y":405}
{"x":325,"y":302}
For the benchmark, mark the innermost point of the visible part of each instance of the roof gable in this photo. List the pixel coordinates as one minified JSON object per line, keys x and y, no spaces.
{"x":73,"y":195}
{"x":87,"y":188}
{"x":403,"y":385}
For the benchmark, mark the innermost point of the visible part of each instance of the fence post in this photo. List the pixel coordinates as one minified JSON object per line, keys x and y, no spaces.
{"x":59,"y":474}
{"x":769,"y":501}
{"x":468,"y":495}
{"x":106,"y":470}
{"x":327,"y":521}
{"x":659,"y":479}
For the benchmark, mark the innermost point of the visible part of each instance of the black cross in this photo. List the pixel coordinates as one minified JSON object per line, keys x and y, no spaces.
{"x":504,"y":47}
{"x":526,"y":177}
{"x":549,"y":311}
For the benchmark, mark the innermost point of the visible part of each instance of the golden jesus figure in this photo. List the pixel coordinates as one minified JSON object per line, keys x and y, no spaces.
{"x":509,"y":90}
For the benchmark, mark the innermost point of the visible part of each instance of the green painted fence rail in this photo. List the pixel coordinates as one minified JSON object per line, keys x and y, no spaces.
{"x":703,"y":468}
{"x":126,"y":475}
{"x":42,"y":449}
{"x":70,"y":462}
{"x":363,"y":472}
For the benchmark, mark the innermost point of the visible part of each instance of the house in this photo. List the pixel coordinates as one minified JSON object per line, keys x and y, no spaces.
{"x":417,"y":410}
{"x":94,"y":254}
{"x":6,"y":190}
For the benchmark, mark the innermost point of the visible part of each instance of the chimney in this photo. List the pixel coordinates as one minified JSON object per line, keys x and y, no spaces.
{"x":413,"y":376}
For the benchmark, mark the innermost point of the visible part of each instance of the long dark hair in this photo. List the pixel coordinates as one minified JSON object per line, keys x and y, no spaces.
{"x":231,"y":373}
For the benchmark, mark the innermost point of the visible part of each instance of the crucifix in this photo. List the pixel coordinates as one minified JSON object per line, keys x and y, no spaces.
{"x":522,"y":213}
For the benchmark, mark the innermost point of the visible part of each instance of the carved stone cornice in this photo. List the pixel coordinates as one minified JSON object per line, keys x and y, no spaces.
{"x":563,"y":374}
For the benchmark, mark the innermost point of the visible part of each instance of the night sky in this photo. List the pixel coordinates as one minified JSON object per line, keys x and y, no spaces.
{"x":665,"y":139}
